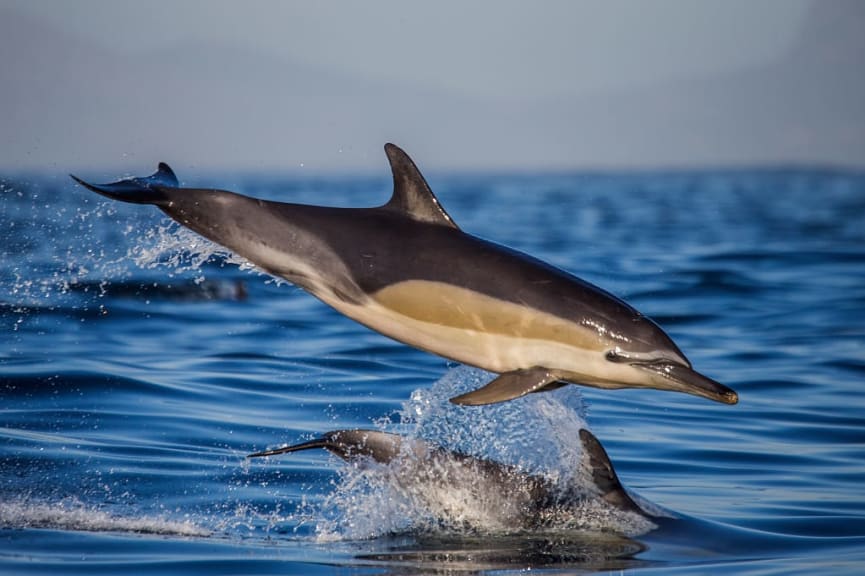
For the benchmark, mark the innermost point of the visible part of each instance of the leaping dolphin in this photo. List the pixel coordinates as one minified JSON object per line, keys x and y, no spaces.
{"x":455,"y":485}
{"x":406,"y":270}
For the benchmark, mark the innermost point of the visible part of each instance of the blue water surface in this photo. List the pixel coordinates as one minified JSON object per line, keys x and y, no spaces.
{"x":140,"y":364}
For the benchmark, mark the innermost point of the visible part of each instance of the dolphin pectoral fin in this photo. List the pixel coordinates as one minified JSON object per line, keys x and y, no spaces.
{"x":604,"y":475}
{"x":143,"y":190}
{"x":508,"y":386}
{"x":412,"y":195}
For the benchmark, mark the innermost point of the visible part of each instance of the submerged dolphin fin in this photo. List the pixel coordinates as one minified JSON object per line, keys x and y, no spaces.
{"x":412,"y":195}
{"x":144,"y":190}
{"x":347,"y":444}
{"x":604,"y":475}
{"x":510,"y":385}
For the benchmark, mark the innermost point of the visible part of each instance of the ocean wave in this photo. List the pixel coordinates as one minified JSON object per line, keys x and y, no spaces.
{"x":70,"y":514}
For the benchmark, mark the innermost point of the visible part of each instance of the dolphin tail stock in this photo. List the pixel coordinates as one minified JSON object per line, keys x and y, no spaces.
{"x":140,"y":190}
{"x":604,"y":475}
{"x":510,"y":385}
{"x":347,"y":444}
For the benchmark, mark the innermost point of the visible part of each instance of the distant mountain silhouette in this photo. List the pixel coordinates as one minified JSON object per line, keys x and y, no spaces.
{"x":225,"y":106}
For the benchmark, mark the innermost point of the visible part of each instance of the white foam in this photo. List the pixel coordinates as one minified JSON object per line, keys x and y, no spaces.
{"x":538,"y":434}
{"x":74,"y":515}
{"x":179,"y":249}
{"x":47,"y":275}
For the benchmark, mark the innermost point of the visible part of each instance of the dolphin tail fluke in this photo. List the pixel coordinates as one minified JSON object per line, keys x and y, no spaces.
{"x":143,"y":190}
{"x":604,"y":475}
{"x":508,"y":386}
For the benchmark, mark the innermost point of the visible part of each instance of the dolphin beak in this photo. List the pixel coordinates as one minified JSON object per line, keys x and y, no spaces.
{"x":681,"y":378}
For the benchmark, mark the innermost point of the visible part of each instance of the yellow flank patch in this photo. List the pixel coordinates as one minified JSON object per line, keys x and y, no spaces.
{"x":455,"y":307}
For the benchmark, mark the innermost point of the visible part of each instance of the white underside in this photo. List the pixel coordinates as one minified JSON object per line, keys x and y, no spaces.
{"x":467,"y":327}
{"x":492,"y":351}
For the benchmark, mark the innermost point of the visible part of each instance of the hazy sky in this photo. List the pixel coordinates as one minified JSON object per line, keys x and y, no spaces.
{"x":109,"y":84}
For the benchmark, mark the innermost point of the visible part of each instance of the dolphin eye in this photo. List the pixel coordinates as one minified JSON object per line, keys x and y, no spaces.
{"x":615,"y":355}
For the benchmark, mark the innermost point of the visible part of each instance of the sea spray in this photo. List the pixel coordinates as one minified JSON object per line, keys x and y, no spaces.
{"x":72,"y":514}
{"x":534,"y":436}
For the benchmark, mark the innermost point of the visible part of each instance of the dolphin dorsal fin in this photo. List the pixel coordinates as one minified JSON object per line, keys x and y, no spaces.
{"x":411,"y":193}
{"x":604,"y":475}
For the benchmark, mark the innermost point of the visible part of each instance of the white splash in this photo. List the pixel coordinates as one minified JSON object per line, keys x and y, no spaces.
{"x":537,"y":435}
{"x":180,"y":250}
{"x":66,"y":253}
{"x":74,"y":515}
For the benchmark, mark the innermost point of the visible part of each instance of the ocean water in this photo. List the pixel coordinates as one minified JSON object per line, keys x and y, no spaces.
{"x":139,"y":365}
